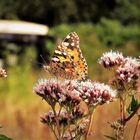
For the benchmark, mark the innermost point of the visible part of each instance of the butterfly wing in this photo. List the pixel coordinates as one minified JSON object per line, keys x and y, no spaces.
{"x":75,"y":54}
{"x":67,"y":60}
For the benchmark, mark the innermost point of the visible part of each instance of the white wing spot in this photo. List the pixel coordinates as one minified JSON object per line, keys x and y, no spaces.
{"x":59,"y":47}
{"x":68,"y":37}
{"x":65,"y":43}
{"x":58,"y":52}
{"x":55,"y":59}
{"x":72,"y":44}
{"x":64,"y":53}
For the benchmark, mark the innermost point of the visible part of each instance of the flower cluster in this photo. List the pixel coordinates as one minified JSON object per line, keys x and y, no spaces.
{"x":111,"y":59}
{"x":55,"y":91}
{"x":80,"y":130}
{"x":71,"y":93}
{"x":50,"y":90}
{"x":130,"y":70}
{"x":3,"y":73}
{"x":64,"y":117}
{"x":127,"y":70}
{"x":94,"y":93}
{"x":50,"y":117}
{"x":71,"y":96}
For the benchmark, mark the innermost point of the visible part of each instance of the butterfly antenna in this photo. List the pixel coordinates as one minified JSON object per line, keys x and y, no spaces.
{"x":35,"y":62}
{"x":43,"y":59}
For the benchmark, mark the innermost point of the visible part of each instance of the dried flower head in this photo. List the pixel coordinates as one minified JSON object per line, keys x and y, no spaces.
{"x":3,"y":73}
{"x":111,"y":59}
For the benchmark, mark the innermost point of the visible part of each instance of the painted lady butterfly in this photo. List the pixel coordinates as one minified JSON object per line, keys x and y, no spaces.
{"x":67,"y":61}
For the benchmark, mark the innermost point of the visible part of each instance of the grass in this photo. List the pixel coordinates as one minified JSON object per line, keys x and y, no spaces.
{"x":20,"y":108}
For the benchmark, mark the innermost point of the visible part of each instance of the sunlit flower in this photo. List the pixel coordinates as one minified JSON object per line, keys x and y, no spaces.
{"x":111,"y":59}
{"x":3,"y":73}
{"x":94,"y":93}
{"x":71,"y":96}
{"x":130,"y":70}
{"x":51,"y":90}
{"x":71,"y":93}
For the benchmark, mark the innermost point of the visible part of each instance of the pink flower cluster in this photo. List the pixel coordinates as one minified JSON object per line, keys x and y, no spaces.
{"x":71,"y":92}
{"x":111,"y":59}
{"x":63,"y":117}
{"x":94,"y":93}
{"x":128,"y":68}
{"x":50,"y":90}
{"x":3,"y":73}
{"x":50,"y":119}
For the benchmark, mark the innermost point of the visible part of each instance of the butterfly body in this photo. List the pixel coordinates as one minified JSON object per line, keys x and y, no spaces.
{"x":67,"y":61}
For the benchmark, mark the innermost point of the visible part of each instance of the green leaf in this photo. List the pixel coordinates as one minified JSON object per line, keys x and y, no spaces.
{"x":133,"y":105}
{"x":3,"y":137}
{"x":110,"y":137}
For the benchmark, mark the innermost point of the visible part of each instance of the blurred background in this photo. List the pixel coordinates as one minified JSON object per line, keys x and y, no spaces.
{"x":29,"y":33}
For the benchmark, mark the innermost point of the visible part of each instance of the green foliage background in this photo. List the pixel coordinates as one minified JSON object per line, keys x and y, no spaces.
{"x":54,"y":12}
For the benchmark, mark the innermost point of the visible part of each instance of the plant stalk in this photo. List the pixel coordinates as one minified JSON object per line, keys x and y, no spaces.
{"x":136,"y":128}
{"x":89,"y":125}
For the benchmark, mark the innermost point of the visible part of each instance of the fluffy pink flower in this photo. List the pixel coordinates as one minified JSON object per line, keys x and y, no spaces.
{"x":51,"y":90}
{"x":111,"y":59}
{"x":94,"y":93}
{"x":130,"y":70}
{"x":71,"y":92}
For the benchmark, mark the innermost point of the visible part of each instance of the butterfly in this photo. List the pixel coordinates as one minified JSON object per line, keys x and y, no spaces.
{"x":67,"y":61}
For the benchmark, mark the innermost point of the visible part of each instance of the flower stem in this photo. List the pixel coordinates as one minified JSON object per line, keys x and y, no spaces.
{"x":57,"y":123}
{"x":122,"y":114}
{"x":54,"y":132}
{"x":131,"y":115}
{"x":89,"y":125}
{"x":135,"y":131}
